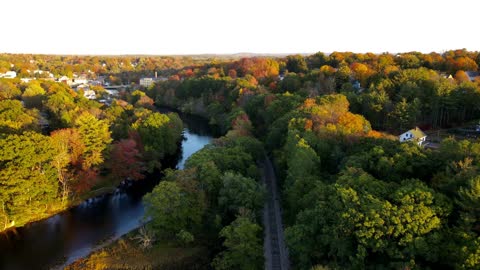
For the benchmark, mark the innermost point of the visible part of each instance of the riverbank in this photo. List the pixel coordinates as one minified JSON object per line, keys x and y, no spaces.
{"x":127,"y":253}
{"x":57,"y":208}
{"x":96,"y":187}
{"x":96,"y":222}
{"x":105,"y":185}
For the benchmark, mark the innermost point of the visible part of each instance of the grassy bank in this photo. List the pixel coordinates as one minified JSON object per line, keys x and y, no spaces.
{"x":104,"y":186}
{"x":126,"y":253}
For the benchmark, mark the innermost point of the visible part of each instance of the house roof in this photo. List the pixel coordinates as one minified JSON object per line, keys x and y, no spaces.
{"x":417,"y":133}
{"x":472,"y":73}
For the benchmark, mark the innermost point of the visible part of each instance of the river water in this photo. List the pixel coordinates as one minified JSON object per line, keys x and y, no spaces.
{"x":75,"y":233}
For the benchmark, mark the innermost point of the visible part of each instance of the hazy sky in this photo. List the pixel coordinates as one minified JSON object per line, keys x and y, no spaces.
{"x":223,"y":26}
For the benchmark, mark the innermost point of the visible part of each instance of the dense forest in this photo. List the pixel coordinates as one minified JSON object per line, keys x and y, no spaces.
{"x":354,"y":196}
{"x":59,"y":148}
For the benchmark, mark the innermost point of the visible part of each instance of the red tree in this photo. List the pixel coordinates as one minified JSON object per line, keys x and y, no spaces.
{"x":126,"y":160}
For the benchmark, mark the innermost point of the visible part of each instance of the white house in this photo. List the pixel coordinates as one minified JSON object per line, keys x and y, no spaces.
{"x":83,"y":87}
{"x":416,"y":135}
{"x":79,"y":79}
{"x":90,"y":94}
{"x":113,"y":93}
{"x":41,"y":72}
{"x":9,"y":75}
{"x":146,"y":82}
{"x":65,"y":79}
{"x":26,"y":80}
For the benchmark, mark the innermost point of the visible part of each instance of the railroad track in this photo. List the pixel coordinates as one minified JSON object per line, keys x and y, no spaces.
{"x":275,"y":251}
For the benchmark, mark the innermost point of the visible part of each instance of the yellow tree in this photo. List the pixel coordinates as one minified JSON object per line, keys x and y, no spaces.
{"x":68,"y":148}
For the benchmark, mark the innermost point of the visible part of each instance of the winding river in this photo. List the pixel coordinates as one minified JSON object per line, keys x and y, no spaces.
{"x":75,"y":233}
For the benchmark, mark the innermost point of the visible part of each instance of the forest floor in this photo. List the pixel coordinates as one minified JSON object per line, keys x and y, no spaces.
{"x":275,"y":251}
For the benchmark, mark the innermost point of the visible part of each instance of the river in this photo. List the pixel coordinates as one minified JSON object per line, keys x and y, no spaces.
{"x":75,"y":233}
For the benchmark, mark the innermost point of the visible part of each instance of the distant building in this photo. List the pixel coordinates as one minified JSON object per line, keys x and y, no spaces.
{"x":42,"y":74}
{"x":416,"y":135}
{"x":112,"y":92}
{"x":83,"y":87}
{"x":356,"y":85}
{"x":65,"y":79}
{"x":79,"y":79}
{"x":9,"y":75}
{"x":26,"y":80}
{"x":146,"y":82}
{"x":90,"y":94}
{"x":472,"y":75}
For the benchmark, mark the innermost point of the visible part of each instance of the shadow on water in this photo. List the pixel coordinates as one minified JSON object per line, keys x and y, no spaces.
{"x":65,"y":237}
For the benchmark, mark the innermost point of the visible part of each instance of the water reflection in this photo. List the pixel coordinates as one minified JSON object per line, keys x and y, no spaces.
{"x":75,"y":233}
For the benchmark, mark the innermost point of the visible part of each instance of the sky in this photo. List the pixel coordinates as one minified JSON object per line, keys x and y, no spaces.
{"x":223,"y":27}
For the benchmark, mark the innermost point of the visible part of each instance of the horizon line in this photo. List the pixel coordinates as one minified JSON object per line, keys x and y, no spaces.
{"x":231,"y":54}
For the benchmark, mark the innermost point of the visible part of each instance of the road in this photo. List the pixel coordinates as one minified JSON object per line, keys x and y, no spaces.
{"x":275,"y":251}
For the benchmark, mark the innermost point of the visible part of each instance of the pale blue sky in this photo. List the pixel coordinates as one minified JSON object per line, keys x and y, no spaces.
{"x":222,"y":26}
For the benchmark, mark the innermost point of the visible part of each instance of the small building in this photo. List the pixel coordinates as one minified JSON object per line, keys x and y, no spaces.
{"x":146,"y":82}
{"x":79,"y":79}
{"x":9,"y":75}
{"x":90,"y":94}
{"x":416,"y":135}
{"x":38,"y":73}
{"x":100,"y":80}
{"x":356,"y":85}
{"x":472,"y":75}
{"x":65,"y":79}
{"x":26,"y":80}
{"x":112,"y":92}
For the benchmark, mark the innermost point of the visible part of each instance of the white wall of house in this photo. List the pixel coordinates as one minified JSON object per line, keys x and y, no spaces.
{"x":114,"y":93}
{"x":9,"y":75}
{"x":146,"y":82}
{"x":90,"y":94}
{"x":80,"y":80}
{"x":406,"y":136}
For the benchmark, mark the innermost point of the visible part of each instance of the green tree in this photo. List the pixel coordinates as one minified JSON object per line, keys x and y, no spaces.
{"x":297,"y":64}
{"x":240,"y":192}
{"x":14,"y":118}
{"x":176,"y":204}
{"x":61,"y":105}
{"x":243,"y":243}
{"x":95,"y":137}
{"x":27,"y":176}
{"x":470,"y":195}
{"x":317,"y":60}
{"x":34,"y":95}
{"x":469,"y":202}
{"x":165,"y":205}
{"x":343,"y":75}
{"x":226,"y":159}
{"x":303,"y":164}
{"x":8,"y":90}
{"x":361,"y":221}
{"x":404,"y":115}
{"x":159,"y":134}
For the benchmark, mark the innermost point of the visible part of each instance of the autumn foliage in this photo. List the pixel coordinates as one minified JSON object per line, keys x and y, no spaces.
{"x":126,"y":160}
